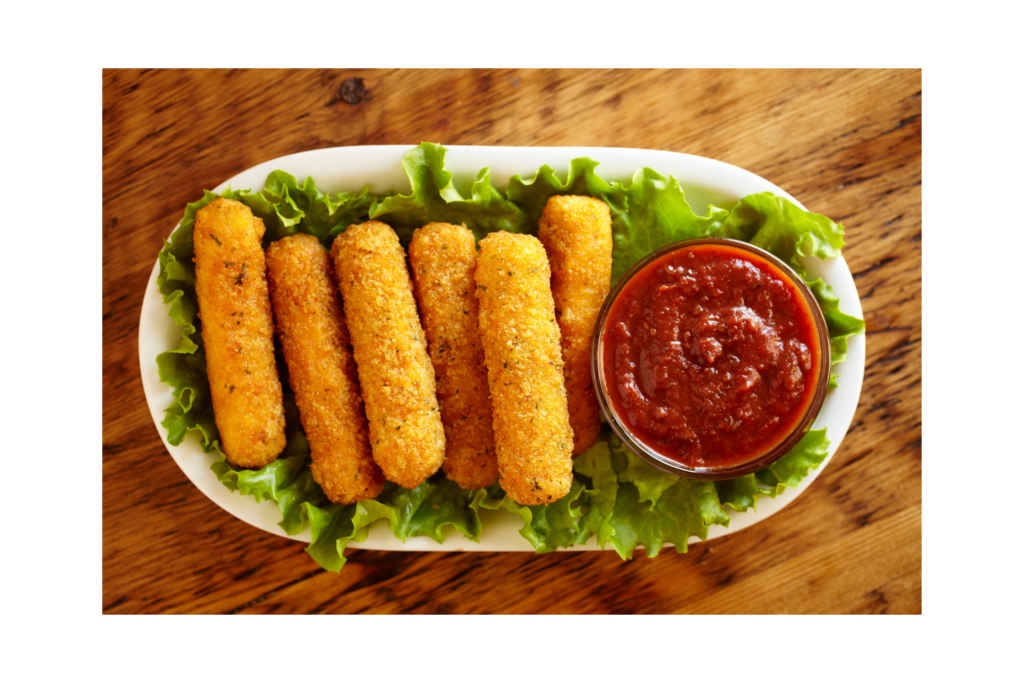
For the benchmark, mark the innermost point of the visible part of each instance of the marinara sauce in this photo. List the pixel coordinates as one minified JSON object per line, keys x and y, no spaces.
{"x":711,"y":356}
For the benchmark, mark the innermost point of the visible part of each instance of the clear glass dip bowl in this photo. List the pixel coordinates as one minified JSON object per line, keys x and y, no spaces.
{"x":756,"y":460}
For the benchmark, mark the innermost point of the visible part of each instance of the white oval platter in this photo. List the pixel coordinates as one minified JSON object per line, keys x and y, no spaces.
{"x":705,"y":181}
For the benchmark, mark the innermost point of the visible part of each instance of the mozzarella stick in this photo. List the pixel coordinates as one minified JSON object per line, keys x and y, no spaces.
{"x":321,"y":370}
{"x":524,"y":368}
{"x":238,"y":333}
{"x":443,"y":258}
{"x":397,"y":379}
{"x":577,"y":235}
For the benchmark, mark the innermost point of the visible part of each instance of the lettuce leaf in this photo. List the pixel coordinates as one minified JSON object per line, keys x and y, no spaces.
{"x":625,"y":502}
{"x":567,"y":521}
{"x":777,"y":225}
{"x":683,"y":510}
{"x":291,"y":498}
{"x":435,"y":199}
{"x":287,"y":208}
{"x":551,"y":526}
{"x":657,"y":214}
{"x":790,"y":469}
{"x":596,"y":469}
{"x":840,"y":325}
{"x":266,"y":483}
{"x":615,"y":495}
{"x":427,"y":509}
{"x":531,"y":195}
{"x":652,"y":508}
{"x":742,"y":493}
{"x":334,"y":526}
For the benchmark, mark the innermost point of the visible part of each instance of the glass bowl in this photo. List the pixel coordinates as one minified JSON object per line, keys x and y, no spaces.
{"x":747,"y":463}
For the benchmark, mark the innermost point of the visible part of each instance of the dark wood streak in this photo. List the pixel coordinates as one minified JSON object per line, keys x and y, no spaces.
{"x":874,"y":267}
{"x":847,"y":143}
{"x":266,"y":595}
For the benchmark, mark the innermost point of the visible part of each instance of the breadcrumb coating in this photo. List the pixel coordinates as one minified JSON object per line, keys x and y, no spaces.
{"x":443,"y":259}
{"x":524,"y":368}
{"x":321,"y":370}
{"x":390,"y":348}
{"x":577,"y":235}
{"x":238,"y":333}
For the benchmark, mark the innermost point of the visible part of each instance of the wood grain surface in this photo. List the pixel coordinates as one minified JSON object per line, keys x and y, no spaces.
{"x":846,"y":143}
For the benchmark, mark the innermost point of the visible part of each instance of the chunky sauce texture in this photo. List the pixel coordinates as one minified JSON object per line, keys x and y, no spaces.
{"x":711,"y":356}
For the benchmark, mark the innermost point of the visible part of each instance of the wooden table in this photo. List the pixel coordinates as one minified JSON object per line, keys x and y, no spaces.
{"x":846,"y":143}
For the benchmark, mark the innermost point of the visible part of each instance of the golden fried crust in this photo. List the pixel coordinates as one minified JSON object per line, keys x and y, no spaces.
{"x":238,"y":333}
{"x":443,"y":259}
{"x":321,"y":370}
{"x":577,"y":235}
{"x":524,"y":368}
{"x":390,"y":349}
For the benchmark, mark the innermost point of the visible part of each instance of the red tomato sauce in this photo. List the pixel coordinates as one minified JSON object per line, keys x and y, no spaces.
{"x":711,"y":356}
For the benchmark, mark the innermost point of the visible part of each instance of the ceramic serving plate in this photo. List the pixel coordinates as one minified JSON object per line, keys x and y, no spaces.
{"x":705,"y":181}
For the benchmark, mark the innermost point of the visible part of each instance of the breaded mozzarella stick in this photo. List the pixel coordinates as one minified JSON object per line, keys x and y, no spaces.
{"x":390,"y":349}
{"x":577,"y":235}
{"x":238,"y":333}
{"x":321,"y":370}
{"x":524,"y":368}
{"x":443,"y":258}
